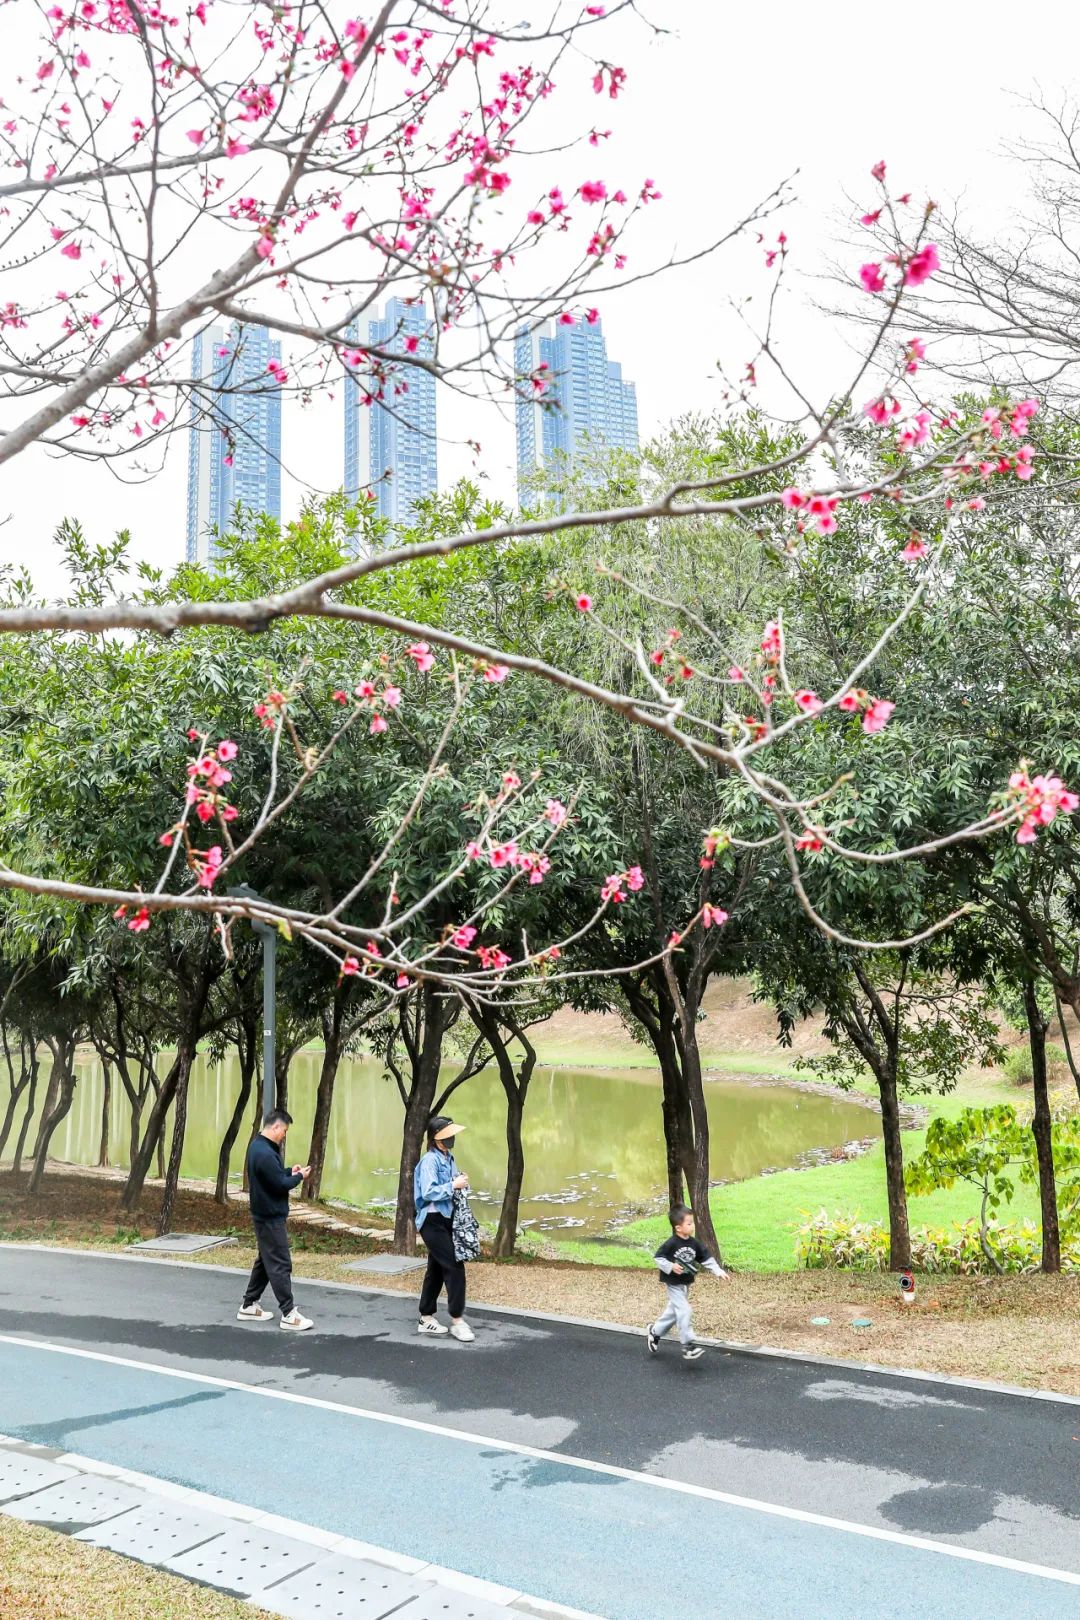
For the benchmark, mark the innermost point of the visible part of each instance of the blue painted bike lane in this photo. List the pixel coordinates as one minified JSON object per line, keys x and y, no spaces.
{"x":616,"y":1546}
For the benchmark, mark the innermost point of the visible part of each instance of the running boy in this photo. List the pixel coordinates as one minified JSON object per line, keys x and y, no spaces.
{"x":680,"y":1259}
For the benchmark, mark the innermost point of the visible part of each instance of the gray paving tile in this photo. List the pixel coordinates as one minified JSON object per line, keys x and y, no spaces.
{"x":443,"y":1603}
{"x":158,"y":1530}
{"x":181,"y":1243}
{"x":20,"y":1474}
{"x":387,"y":1264}
{"x":244,"y":1560}
{"x":341,"y":1589}
{"x":77,"y":1503}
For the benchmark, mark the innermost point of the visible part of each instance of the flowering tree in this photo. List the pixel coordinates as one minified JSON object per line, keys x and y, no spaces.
{"x":291,"y":167}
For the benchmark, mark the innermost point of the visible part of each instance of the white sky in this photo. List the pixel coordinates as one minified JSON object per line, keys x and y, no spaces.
{"x":738,"y":97}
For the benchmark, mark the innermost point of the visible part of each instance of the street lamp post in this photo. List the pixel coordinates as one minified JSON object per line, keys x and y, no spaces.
{"x":268,"y":934}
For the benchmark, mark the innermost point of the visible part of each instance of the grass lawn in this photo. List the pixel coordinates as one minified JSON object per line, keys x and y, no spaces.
{"x":757,"y":1220}
{"x":45,"y":1576}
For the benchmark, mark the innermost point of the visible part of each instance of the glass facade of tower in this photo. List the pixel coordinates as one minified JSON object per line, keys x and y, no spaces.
{"x":234,"y":444}
{"x":391,"y":447}
{"x":586,"y":397}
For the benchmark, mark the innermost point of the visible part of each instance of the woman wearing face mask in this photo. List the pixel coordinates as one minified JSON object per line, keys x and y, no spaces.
{"x":435,"y":1181}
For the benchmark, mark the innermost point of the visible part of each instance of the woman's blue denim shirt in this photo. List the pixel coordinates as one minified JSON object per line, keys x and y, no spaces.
{"x":432,"y":1185}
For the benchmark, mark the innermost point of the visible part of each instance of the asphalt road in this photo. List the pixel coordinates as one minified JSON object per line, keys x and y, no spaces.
{"x":538,"y":1456}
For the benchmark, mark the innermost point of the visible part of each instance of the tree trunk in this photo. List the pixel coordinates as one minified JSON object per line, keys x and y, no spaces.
{"x":49,"y":1104}
{"x":1042,"y":1130}
{"x":675,"y":1106}
{"x":176,"y":1151}
{"x":324,"y":1102}
{"x":14,"y":1098}
{"x":425,"y":1081}
{"x":892,"y":1136}
{"x":63,"y":1071}
{"x":248,"y":1065}
{"x":506,"y":1234}
{"x":31,"y":1103}
{"x":515,"y":1084}
{"x":697,"y":1160}
{"x":106,"y":1099}
{"x":152,"y":1138}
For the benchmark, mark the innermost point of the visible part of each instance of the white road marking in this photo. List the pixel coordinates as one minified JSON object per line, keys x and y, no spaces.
{"x":518,"y":1448}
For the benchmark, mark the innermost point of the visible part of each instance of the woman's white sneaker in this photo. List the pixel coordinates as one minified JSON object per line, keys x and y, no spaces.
{"x":295,"y":1323}
{"x":428,"y":1325}
{"x":253,"y":1313}
{"x":462,"y":1331}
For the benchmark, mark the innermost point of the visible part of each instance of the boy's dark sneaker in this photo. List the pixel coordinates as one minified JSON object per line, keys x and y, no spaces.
{"x":652,"y":1341}
{"x":691,"y":1352}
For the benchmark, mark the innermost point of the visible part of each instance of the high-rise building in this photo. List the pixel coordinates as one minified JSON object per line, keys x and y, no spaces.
{"x":390,"y":446}
{"x":234,"y":445}
{"x":585,"y":398}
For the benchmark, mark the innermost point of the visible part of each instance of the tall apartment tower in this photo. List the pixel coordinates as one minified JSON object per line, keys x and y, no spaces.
{"x":586,"y":397}
{"x":234,"y":443}
{"x":390,"y":447}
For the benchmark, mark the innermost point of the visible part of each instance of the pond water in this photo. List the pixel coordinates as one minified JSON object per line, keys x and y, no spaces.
{"x":593,"y":1143}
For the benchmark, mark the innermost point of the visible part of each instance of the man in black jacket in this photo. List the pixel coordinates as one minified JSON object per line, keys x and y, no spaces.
{"x":269,"y":1186}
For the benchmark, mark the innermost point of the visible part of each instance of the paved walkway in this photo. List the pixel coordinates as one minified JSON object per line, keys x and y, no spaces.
{"x":284,"y":1566}
{"x":556,"y":1459}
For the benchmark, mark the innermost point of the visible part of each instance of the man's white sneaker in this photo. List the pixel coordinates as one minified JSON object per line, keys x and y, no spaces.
{"x":462,"y":1331}
{"x":428,"y":1325}
{"x":295,"y":1323}
{"x":253,"y":1313}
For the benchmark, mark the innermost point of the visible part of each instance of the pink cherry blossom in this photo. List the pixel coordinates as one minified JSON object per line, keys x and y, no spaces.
{"x":736,"y":674}
{"x":879,"y":410}
{"x":391,"y":696}
{"x":227,"y":750}
{"x":71,"y":250}
{"x":495,"y":673}
{"x":349,"y":967}
{"x":555,"y":812}
{"x":877,"y":715}
{"x":421,"y":655}
{"x":922,"y":265}
{"x":713,"y":916}
{"x":808,"y":702}
{"x":772,"y":644}
{"x":635,"y":878}
{"x":377,"y":725}
{"x":584,"y":604}
{"x":140,"y":922}
{"x":504,"y":854}
{"x":872,"y":278}
{"x":878,"y":171}
{"x":402,"y":981}
{"x":593,"y":191}
{"x":340,"y":696}
{"x":811,"y":839}
{"x":915,"y":549}
{"x":463,"y":937}
{"x":511,"y":781}
{"x":792,"y":500}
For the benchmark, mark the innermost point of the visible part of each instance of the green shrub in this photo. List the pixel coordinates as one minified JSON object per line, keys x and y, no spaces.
{"x":1018,"y":1064}
{"x":848,"y":1243}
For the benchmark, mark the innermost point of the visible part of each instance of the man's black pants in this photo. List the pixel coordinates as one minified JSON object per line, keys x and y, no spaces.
{"x":274,"y":1265}
{"x":443,"y":1266}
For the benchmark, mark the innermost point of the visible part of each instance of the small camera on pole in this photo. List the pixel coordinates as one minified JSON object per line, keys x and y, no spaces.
{"x":907,"y":1287}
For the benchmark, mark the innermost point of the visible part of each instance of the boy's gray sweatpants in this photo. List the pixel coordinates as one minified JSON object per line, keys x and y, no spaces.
{"x":676,"y":1313}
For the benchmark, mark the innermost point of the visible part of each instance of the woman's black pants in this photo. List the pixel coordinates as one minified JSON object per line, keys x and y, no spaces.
{"x":442,"y":1267}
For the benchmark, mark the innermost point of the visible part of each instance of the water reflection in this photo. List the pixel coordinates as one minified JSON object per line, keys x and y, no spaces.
{"x":592,"y":1137}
